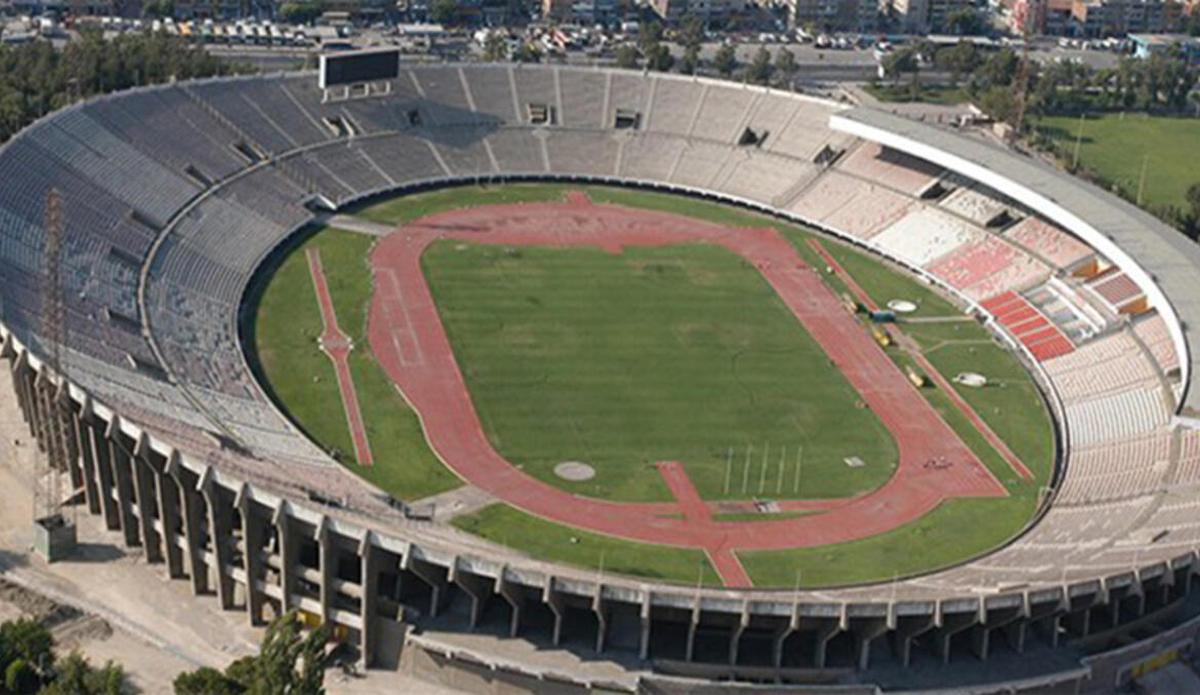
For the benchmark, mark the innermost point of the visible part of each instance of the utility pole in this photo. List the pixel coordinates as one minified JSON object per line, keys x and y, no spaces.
{"x":54,"y":535}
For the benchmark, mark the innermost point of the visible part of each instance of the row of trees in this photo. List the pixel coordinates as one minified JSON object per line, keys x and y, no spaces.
{"x":36,"y":79}
{"x":1160,"y":83}
{"x":29,"y":665}
{"x":289,"y":662}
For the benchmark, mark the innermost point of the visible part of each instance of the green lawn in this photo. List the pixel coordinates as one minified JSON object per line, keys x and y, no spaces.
{"x":928,"y":94}
{"x":288,"y":323}
{"x":302,"y":379}
{"x":544,"y":540}
{"x":955,"y":531}
{"x":1116,"y":146}
{"x":682,"y":353}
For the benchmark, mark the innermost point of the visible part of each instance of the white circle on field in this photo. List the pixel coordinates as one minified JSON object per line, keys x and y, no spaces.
{"x":574,"y":471}
{"x":902,"y":306}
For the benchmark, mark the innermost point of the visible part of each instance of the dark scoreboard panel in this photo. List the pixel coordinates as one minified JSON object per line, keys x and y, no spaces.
{"x":353,"y":67}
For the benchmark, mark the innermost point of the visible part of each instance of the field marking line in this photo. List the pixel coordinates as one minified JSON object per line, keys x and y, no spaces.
{"x":1013,"y":461}
{"x":337,"y":346}
{"x":405,"y":327}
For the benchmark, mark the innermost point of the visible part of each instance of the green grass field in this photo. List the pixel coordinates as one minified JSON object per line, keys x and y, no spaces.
{"x":303,"y":381}
{"x":681,"y":353}
{"x":505,"y":525}
{"x":1116,"y":146}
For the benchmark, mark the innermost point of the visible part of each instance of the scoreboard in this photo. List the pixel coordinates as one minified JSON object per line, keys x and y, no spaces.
{"x":357,"y":67}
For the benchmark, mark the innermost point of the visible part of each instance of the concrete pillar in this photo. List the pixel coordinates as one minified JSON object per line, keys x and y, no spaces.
{"x":252,"y":555}
{"x":121,"y":462}
{"x":475,"y":587}
{"x":171,"y":520}
{"x":511,"y":593}
{"x":104,"y":475}
{"x":327,"y":558}
{"x":952,"y":625}
{"x":287,"y":555}
{"x":693,"y":625}
{"x":554,"y":600}
{"x":431,"y":575}
{"x":369,"y":556}
{"x":601,"y":611}
{"x":646,"y":616}
{"x":826,"y":631}
{"x":908,"y":628}
{"x":865,"y":630}
{"x":143,"y":480}
{"x":193,"y":525}
{"x":220,"y":530}
{"x":782,"y":636}
{"x":87,"y":459}
{"x":735,"y":638}
{"x":71,"y":423}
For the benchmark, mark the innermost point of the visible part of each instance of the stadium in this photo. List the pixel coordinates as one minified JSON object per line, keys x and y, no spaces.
{"x":941,"y":349}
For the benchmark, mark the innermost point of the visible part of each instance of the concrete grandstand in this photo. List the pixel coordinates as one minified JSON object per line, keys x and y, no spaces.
{"x":175,"y":196}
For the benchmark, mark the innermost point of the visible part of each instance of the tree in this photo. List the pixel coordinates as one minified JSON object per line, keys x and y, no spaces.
{"x":689,"y":65}
{"x":444,"y":12}
{"x":726,"y":60}
{"x":300,"y":12}
{"x":965,"y":22}
{"x":785,"y":65}
{"x":20,"y":677}
{"x":759,"y":71}
{"x":75,"y":675}
{"x":649,"y":36}
{"x":495,"y":47}
{"x":206,"y":681}
{"x":627,"y":56}
{"x":1193,"y":199}
{"x":900,"y":62}
{"x":692,"y":32}
{"x":660,"y":58}
{"x":28,"y":641}
{"x":288,"y":663}
{"x":959,"y":60}
{"x":998,"y":102}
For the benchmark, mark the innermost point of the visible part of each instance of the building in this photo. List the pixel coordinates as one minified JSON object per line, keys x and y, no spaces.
{"x":1147,"y":45}
{"x":923,"y":16}
{"x":674,"y":11}
{"x":834,"y":15}
{"x":1097,"y":18}
{"x":581,"y":11}
{"x":1043,"y":17}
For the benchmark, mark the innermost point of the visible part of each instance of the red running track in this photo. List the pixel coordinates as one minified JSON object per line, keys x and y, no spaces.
{"x":337,"y":345}
{"x":407,"y":336}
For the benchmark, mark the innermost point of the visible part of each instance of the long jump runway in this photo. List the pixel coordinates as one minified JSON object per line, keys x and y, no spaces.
{"x":934,"y":464}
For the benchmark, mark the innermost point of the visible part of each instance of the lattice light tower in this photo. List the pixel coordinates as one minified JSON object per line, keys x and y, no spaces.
{"x":54,"y":533}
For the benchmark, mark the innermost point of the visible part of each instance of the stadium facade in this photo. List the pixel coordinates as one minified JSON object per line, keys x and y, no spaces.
{"x":176,"y":195}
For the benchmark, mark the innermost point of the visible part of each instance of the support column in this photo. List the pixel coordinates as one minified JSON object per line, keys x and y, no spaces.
{"x":287,"y":555}
{"x":824,"y":634}
{"x":83,"y":444}
{"x":193,"y":525}
{"x":646,"y":615}
{"x":104,"y":474}
{"x":474,"y":586}
{"x":369,"y":555}
{"x":735,"y":638}
{"x":327,"y":558}
{"x":864,"y":634}
{"x":601,"y":612}
{"x":908,"y":628}
{"x":220,"y":529}
{"x":429,"y":574}
{"x":693,"y":625}
{"x":70,"y":423}
{"x":171,"y":520}
{"x":143,"y":481}
{"x":952,"y":625}
{"x":123,"y":474}
{"x":552,"y":598}
{"x":781,"y":637}
{"x":515,"y":598}
{"x":252,"y":555}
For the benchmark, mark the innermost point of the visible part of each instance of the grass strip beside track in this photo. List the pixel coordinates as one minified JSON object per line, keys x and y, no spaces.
{"x":552,"y":542}
{"x":302,"y":379}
